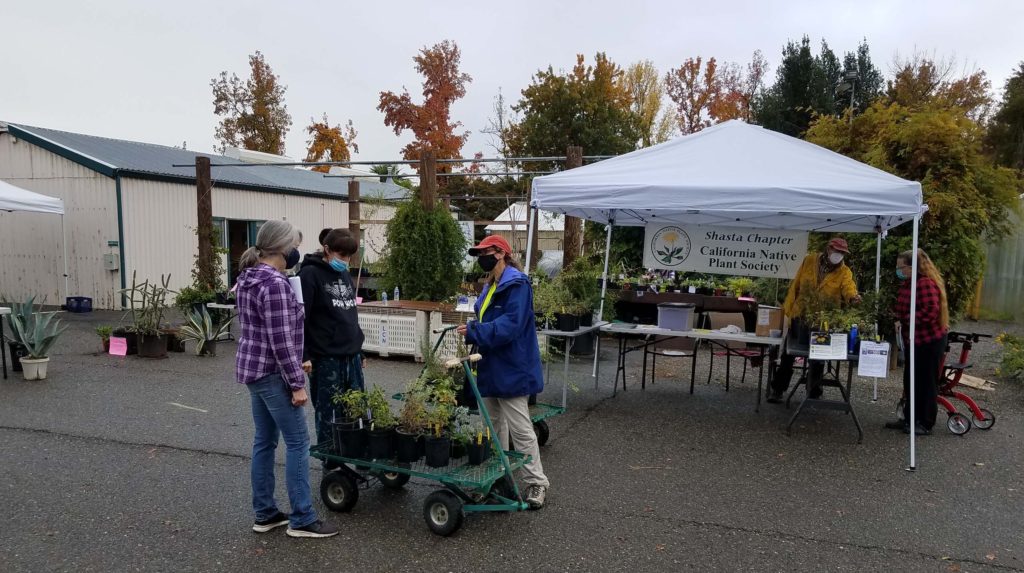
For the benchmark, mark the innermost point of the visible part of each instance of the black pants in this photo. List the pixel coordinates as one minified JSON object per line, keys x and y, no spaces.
{"x":784,"y":373}
{"x":927,"y":360}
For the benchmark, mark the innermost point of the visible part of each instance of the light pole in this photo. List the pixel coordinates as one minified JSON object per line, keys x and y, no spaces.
{"x":849,"y":83}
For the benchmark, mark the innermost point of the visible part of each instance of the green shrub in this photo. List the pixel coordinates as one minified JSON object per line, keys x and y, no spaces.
{"x":1011,"y":366}
{"x":424,"y":253}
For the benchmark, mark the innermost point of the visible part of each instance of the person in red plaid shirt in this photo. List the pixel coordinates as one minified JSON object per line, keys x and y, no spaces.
{"x":930,"y":329}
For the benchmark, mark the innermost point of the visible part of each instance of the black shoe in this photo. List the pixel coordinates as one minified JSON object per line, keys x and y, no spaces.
{"x":275,"y":521}
{"x":896,"y":425}
{"x":919,"y":430}
{"x":774,"y":397}
{"x":316,"y":529}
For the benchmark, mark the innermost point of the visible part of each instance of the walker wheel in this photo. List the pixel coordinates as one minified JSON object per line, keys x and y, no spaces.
{"x":338,"y":491}
{"x":540,"y":428}
{"x":443,"y":512}
{"x":986,"y":422}
{"x":958,"y":424}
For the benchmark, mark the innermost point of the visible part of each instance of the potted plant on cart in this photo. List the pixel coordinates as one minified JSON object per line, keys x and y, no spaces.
{"x":350,"y":433}
{"x":104,"y":332}
{"x":412,"y":423}
{"x":441,"y":406}
{"x":479,"y":448}
{"x":201,"y":329}
{"x":36,"y":332}
{"x":461,"y":431}
{"x":381,"y":435}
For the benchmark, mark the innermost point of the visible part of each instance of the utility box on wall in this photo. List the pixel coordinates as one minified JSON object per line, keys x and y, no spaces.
{"x":111,"y":262}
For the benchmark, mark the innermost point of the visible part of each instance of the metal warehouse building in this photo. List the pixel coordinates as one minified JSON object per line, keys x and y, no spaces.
{"x":128,"y":210}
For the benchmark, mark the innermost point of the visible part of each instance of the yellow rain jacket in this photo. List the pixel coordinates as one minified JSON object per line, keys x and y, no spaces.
{"x":837,"y":284}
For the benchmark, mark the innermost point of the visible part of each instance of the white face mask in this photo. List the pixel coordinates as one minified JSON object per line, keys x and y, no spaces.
{"x":835,"y":258}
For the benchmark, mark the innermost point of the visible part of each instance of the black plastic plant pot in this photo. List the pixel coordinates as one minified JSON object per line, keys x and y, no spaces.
{"x":478,"y":453}
{"x":458,"y":450}
{"x":406,"y":447}
{"x":336,"y":427}
{"x":353,"y":442}
{"x":567,"y":322}
{"x":153,"y":346}
{"x":587,"y":318}
{"x":421,"y":446}
{"x":438,"y":451}
{"x":381,"y":444}
{"x":131,"y":339}
{"x":209,"y":348}
{"x":18,"y":351}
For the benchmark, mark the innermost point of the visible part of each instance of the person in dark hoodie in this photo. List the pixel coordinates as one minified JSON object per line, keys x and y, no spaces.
{"x":334,"y":341}
{"x":506,"y":335}
{"x":269,"y":363}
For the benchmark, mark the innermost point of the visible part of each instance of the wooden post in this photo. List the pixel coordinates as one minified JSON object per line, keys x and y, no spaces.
{"x":354,"y":222}
{"x":204,"y":215}
{"x":572,"y":239}
{"x":428,"y":180}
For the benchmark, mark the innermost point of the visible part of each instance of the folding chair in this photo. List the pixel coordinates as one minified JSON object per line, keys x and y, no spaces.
{"x":685,"y":348}
{"x":729,"y":349}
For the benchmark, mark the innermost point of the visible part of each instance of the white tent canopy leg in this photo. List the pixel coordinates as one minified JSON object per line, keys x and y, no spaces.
{"x":878,"y":277}
{"x":532,"y":214}
{"x":604,"y":289}
{"x":64,"y":244}
{"x":913,"y":352}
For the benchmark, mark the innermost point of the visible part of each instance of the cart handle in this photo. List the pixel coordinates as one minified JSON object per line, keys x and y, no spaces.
{"x":445,"y":329}
{"x":455,"y":362}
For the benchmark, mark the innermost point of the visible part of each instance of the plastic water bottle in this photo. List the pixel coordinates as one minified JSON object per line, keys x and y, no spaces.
{"x":397,"y":294}
{"x":853,"y":339}
{"x":384,"y":298}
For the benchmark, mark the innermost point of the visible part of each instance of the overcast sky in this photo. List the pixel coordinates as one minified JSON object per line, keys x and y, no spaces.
{"x":141,"y":70}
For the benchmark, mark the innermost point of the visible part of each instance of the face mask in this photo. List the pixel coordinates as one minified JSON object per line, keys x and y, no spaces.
{"x":900,"y":275}
{"x":487,"y":262}
{"x":835,"y":258}
{"x":339,"y":265}
{"x":291,"y":259}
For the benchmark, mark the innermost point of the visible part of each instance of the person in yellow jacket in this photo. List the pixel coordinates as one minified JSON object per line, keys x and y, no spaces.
{"x":827,"y":274}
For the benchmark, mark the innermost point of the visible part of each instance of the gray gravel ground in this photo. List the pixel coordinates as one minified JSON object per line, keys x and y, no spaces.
{"x":103,"y":469}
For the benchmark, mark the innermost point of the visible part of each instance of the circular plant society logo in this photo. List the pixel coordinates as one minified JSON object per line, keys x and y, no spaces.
{"x":670,"y":246}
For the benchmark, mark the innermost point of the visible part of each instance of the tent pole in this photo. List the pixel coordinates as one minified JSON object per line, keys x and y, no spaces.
{"x":878,"y":277}
{"x":64,"y":244}
{"x":910,"y":363}
{"x":532,"y":215}
{"x":604,"y":286}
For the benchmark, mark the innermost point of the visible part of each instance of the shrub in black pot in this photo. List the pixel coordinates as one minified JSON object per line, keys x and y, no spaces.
{"x":353,"y":441}
{"x":438,"y":451}
{"x":567,"y":322}
{"x":153,"y":346}
{"x":478,"y":452}
{"x":381,"y":443}
{"x":407,"y":446}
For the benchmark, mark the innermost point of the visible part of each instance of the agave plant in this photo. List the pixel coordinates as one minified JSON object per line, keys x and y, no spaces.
{"x":201,"y":329}
{"x":36,"y":331}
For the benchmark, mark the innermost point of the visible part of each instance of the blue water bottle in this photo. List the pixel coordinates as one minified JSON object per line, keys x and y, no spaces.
{"x":853,"y":339}
{"x":384,"y":298}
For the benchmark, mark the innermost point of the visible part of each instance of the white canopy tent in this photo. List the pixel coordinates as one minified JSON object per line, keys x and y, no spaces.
{"x":14,"y":198}
{"x":738,"y":175}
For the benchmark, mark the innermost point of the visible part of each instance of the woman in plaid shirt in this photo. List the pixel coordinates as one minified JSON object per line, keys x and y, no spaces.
{"x":930,"y":328}
{"x":269,"y":363}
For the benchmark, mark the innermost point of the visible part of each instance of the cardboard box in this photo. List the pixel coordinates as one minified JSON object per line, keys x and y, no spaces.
{"x":769,"y":318}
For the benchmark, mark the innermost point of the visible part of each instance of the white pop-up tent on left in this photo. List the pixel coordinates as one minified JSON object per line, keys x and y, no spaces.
{"x":13,"y":198}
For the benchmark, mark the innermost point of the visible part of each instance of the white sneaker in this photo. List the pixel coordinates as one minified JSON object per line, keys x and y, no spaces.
{"x":535,"y":495}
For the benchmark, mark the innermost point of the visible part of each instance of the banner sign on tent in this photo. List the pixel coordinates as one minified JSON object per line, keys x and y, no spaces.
{"x":725,"y":250}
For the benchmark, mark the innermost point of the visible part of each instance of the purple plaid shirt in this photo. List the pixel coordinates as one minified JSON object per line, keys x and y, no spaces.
{"x":272,"y":328}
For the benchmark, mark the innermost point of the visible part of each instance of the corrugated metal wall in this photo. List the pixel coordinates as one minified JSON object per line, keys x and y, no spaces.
{"x":159,"y":219}
{"x":31,"y":261}
{"x":1002,"y":292}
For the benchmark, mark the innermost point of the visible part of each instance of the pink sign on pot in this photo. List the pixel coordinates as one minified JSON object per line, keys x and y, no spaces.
{"x":118,"y":346}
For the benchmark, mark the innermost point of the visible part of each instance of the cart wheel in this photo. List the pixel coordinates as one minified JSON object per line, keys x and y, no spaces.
{"x":541,"y":429}
{"x":393,"y":480}
{"x":987,"y":422}
{"x":443,"y":512}
{"x":958,"y":423}
{"x":338,"y":491}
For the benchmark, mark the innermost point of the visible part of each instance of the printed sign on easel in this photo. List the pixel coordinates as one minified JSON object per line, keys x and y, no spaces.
{"x":828,"y":346}
{"x":873,"y":360}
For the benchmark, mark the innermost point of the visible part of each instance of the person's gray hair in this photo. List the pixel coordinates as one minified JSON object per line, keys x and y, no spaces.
{"x":275,"y":237}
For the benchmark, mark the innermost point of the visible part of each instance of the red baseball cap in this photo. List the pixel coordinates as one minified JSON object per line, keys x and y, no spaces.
{"x":839,"y":244}
{"x":488,"y":242}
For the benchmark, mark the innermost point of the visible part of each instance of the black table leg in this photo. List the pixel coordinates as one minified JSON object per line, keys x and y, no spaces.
{"x":3,"y":348}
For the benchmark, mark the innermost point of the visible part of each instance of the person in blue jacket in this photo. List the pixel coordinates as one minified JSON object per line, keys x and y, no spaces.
{"x":505,"y":334}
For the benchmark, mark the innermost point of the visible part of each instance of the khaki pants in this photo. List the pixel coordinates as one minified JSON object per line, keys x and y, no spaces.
{"x":512,"y":416}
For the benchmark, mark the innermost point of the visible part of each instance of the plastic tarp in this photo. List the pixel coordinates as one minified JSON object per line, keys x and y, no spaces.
{"x":737,"y":175}
{"x":17,"y":199}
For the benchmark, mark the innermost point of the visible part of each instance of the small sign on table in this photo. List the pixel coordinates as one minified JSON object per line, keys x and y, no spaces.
{"x":874,"y":359}
{"x":828,"y":346}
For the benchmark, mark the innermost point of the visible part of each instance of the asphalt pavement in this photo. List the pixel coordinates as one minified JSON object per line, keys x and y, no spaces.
{"x":128,"y":464}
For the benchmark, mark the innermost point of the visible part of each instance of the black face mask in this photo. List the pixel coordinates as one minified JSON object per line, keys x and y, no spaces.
{"x":292,"y":258}
{"x":487,"y":262}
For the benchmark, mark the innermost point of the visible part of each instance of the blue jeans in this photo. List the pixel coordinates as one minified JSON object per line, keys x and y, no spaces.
{"x":273,"y":414}
{"x":330,"y":377}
